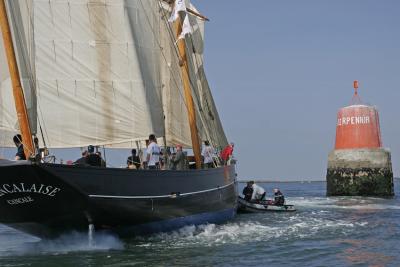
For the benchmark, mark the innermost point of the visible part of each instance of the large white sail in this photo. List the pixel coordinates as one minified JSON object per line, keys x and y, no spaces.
{"x":107,"y":73}
{"x":8,"y":116}
{"x":20,"y":15}
{"x":97,"y":72}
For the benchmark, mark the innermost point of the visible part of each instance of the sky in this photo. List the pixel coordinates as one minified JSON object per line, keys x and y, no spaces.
{"x":280,"y":70}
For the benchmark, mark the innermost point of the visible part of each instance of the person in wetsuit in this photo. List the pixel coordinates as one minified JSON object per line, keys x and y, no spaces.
{"x":279,"y":198}
{"x":248,"y":191}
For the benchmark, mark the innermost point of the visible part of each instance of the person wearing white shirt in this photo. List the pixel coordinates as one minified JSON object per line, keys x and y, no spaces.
{"x":258,"y":192}
{"x":208,"y":153}
{"x":153,"y":153}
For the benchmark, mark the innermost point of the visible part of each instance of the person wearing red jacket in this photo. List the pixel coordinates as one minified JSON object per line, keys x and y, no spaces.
{"x":227,"y":153}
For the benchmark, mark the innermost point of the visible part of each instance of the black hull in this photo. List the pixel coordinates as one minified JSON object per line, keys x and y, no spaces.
{"x":49,"y":200}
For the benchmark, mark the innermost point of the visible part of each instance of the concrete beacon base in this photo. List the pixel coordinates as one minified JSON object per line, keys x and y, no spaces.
{"x":360,"y":172}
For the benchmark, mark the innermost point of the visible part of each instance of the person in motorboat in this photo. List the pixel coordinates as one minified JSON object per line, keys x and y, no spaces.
{"x":248,"y":191}
{"x":279,"y":198}
{"x":258,"y":192}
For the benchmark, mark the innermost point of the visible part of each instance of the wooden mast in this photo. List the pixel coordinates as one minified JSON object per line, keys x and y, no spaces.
{"x":16,"y":83}
{"x":188,"y":93}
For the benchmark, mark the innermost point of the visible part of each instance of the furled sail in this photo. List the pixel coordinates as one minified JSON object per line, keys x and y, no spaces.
{"x":106,"y":72}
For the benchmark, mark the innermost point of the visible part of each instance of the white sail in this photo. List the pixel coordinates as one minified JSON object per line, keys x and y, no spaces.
{"x":107,"y":73}
{"x":8,"y":116}
{"x":97,"y":72}
{"x":20,"y":15}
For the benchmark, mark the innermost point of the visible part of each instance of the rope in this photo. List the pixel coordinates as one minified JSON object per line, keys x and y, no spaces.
{"x":172,"y":38}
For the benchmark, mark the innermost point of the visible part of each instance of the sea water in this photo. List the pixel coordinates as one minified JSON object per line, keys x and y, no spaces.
{"x":324,"y":231}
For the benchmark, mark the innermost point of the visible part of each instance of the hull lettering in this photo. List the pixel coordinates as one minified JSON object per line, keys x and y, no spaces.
{"x":21,"y":200}
{"x":48,"y":190}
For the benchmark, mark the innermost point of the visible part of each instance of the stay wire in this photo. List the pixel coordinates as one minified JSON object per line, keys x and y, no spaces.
{"x":173,"y":41}
{"x":163,"y":54}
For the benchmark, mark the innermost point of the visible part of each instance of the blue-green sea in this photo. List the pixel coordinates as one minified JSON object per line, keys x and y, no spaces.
{"x":324,"y":231}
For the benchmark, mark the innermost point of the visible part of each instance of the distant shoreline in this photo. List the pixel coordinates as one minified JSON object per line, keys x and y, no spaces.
{"x":290,"y":181}
{"x":276,"y":181}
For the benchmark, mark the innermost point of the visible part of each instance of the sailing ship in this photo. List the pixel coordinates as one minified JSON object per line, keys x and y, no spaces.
{"x":107,"y":73}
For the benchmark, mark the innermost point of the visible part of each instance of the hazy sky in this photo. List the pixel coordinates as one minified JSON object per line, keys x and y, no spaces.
{"x":280,"y":70}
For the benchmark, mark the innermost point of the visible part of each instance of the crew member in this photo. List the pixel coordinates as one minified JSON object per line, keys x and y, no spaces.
{"x":144,"y":155}
{"x":20,"y":147}
{"x":226,"y":154}
{"x":178,"y":160}
{"x":133,"y":161}
{"x":208,"y":155}
{"x":93,"y":159}
{"x":83,"y":159}
{"x":102,"y":162}
{"x":153,"y":153}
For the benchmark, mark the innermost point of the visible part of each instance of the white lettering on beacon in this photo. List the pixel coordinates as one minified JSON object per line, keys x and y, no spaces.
{"x":353,"y":120}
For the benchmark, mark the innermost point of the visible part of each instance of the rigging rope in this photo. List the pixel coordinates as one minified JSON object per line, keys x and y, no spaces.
{"x":172,"y":39}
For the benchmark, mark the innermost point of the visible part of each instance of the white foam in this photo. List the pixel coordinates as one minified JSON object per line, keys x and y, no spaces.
{"x":356,"y":203}
{"x":258,"y":230}
{"x":71,"y":242}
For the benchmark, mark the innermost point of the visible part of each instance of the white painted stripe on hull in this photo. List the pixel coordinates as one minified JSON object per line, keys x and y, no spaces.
{"x":163,"y":196}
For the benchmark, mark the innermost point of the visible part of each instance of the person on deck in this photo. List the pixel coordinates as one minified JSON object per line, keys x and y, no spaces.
{"x":178,"y":161}
{"x":133,"y":161}
{"x":248,"y":191}
{"x":20,"y":155}
{"x":102,"y":162}
{"x":83,"y":159}
{"x":93,"y":159}
{"x":227,"y":153}
{"x":153,"y":153}
{"x":208,"y":155}
{"x":279,"y":198}
{"x":258,"y":192}
{"x":144,"y":155}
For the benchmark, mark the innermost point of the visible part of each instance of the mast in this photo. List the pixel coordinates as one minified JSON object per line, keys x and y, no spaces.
{"x":16,"y":83}
{"x":188,"y":93}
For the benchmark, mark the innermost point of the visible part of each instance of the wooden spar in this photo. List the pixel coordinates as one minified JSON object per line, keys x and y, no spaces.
{"x":197,"y":14}
{"x":191,"y":11}
{"x":188,"y":93}
{"x":16,"y":82}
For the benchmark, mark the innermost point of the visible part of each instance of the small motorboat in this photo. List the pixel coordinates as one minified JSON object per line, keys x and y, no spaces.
{"x":262,"y":206}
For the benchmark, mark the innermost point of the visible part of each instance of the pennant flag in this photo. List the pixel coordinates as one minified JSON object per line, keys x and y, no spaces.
{"x":179,"y":6}
{"x":186,"y":28}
